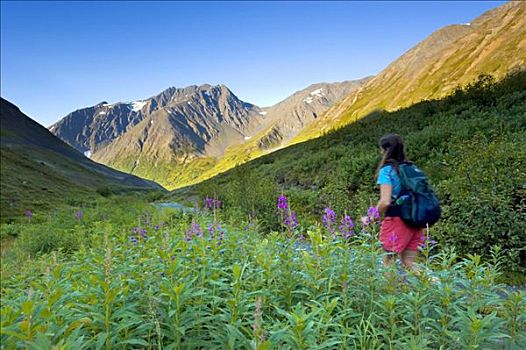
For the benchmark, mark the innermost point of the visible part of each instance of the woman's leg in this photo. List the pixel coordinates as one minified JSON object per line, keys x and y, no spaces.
{"x":390,"y":258}
{"x":409,"y":258}
{"x":410,"y":253}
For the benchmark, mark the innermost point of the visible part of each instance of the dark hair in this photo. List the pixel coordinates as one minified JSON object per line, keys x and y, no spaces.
{"x":393,"y":147}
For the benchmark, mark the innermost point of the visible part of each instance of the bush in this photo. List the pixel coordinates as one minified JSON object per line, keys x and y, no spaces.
{"x":9,"y":230}
{"x":104,"y":191}
{"x":156,"y":195}
{"x":471,"y":144}
{"x":41,"y":239}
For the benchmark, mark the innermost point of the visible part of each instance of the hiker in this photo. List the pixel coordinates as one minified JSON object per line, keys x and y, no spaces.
{"x":396,"y":235}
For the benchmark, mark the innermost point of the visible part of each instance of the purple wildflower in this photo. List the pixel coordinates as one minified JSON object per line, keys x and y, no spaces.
{"x":329,"y":219}
{"x":195,"y":230}
{"x":211,"y":203}
{"x":428,"y":244}
{"x":221,"y":233}
{"x":134,"y":240}
{"x":372,"y":216}
{"x":140,"y":231}
{"x":373,"y":213}
{"x":288,"y":218}
{"x":282,"y":202}
{"x":291,"y":221}
{"x":346,"y":227}
{"x":28,"y":214}
{"x":215,"y":231}
{"x":79,"y":215}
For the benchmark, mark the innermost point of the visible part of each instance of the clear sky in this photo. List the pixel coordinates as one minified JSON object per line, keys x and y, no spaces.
{"x":57,"y":57}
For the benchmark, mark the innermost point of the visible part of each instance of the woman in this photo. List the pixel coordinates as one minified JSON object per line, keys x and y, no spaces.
{"x":396,"y":236}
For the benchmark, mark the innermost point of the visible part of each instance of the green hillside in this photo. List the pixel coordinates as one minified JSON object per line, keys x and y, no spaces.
{"x":471,"y":144}
{"x":40,"y":172}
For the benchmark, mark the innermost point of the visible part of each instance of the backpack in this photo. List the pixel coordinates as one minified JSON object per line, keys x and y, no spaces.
{"x":418,"y":203}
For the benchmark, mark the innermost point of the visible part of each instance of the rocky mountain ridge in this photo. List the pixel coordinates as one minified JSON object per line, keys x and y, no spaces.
{"x":181,"y":125}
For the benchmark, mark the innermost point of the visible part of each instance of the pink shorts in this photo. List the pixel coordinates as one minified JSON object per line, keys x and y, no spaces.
{"x":397,"y":236}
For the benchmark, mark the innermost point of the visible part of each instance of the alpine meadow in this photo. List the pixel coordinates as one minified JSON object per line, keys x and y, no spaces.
{"x":193,"y":219}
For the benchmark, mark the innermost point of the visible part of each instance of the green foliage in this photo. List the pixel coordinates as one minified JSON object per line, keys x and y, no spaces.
{"x":471,"y":144}
{"x":9,"y":230}
{"x":155,"y":195}
{"x":37,"y":238}
{"x":244,"y":291}
{"x":249,"y":197}
{"x":104,"y":191}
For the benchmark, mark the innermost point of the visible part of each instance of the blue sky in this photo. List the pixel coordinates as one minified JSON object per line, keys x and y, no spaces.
{"x":60,"y":56}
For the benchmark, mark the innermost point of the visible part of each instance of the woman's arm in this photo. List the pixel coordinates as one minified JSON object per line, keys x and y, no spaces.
{"x":385,"y":198}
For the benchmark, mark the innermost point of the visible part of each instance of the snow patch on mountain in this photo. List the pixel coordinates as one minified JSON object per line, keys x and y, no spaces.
{"x":138,"y":105}
{"x":317,"y":92}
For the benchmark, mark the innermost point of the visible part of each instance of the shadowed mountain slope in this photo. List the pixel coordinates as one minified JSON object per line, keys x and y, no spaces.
{"x":38,"y":169}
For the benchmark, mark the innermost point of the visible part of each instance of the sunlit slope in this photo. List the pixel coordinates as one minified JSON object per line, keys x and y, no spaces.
{"x":494,"y":43}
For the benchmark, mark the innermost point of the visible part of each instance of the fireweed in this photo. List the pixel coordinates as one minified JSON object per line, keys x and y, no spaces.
{"x":253,"y":291}
{"x":215,"y":233}
{"x":288,"y":218}
{"x":194,"y":231}
{"x":79,"y":215}
{"x":212,"y":203}
{"x":346,"y":227}
{"x":29,"y":215}
{"x":329,"y":220}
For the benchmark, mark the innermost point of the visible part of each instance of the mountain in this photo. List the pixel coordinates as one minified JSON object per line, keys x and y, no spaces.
{"x":494,"y":43}
{"x":201,"y":122}
{"x":184,"y":136}
{"x":89,"y":129}
{"x":288,"y":117}
{"x":284,"y":120}
{"x":180,"y":134}
{"x":39,"y":169}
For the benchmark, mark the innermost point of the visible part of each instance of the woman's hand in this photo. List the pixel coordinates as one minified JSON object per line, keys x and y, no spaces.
{"x":385,"y":198}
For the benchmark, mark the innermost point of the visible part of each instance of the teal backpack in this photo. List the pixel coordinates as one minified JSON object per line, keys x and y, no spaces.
{"x":418,"y":203}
